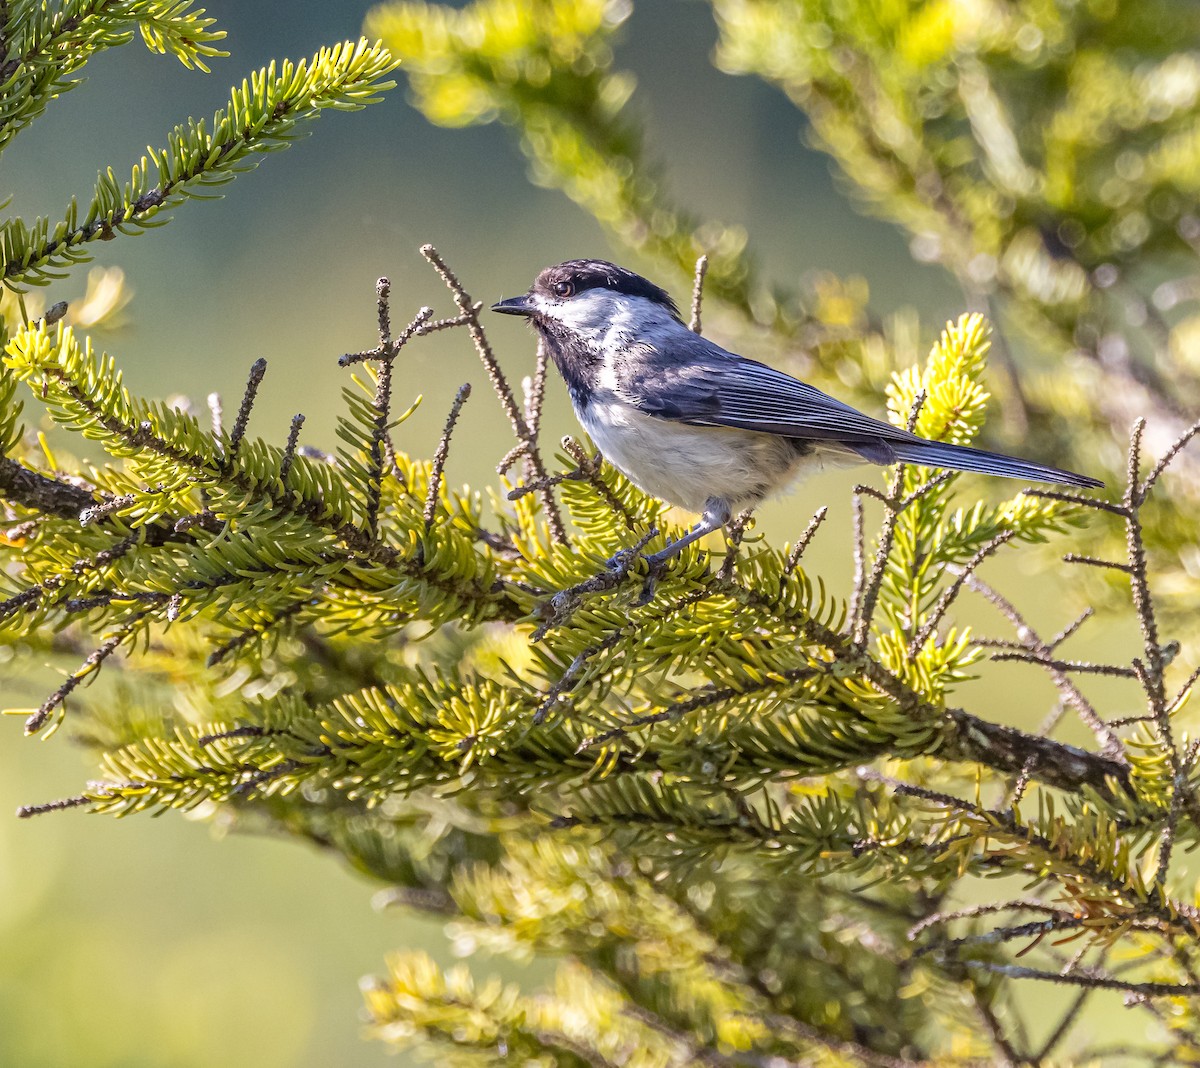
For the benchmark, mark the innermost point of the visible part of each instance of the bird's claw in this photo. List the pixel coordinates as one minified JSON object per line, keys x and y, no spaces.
{"x":656,"y":567}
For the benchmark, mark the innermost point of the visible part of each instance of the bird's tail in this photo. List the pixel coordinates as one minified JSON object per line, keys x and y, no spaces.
{"x":962,"y":458}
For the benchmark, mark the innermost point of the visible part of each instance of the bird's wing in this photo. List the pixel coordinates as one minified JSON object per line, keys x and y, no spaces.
{"x":704,"y":385}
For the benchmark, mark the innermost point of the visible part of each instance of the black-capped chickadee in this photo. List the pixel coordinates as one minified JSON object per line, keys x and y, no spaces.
{"x":695,"y":425}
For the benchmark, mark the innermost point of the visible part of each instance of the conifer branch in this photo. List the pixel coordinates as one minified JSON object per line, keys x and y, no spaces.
{"x":264,"y":114}
{"x":44,"y":46}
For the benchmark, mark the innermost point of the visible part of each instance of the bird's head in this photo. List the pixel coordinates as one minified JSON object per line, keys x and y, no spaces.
{"x":588,"y":299}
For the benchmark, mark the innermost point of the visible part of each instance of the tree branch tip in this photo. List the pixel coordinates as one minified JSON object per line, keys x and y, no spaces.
{"x":25,"y":812}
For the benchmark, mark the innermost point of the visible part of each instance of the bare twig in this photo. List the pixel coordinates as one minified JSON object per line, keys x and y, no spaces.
{"x":88,"y":668}
{"x":257,"y":370}
{"x":470,"y":312}
{"x":1082,"y":666}
{"x":510,"y":458}
{"x":443,"y":450}
{"x":1076,"y":498}
{"x":1092,"y":982}
{"x":860,"y":557}
{"x":1092,"y":561}
{"x":1167,"y":457}
{"x":589,"y":466}
{"x":734,"y":532}
{"x":893,"y":505}
{"x":953,"y":590}
{"x":289,"y":450}
{"x":797,"y":550}
{"x":26,"y":811}
{"x":698,"y":293}
{"x":1034,"y":650}
{"x":535,"y":390}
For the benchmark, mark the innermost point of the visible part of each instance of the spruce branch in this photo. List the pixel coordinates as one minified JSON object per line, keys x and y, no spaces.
{"x":45,"y":46}
{"x":265,"y":113}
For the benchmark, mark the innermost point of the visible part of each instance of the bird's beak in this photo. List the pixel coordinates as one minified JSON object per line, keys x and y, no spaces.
{"x":514,"y":306}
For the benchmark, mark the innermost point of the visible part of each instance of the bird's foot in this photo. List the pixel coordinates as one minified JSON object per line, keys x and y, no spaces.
{"x":656,"y":567}
{"x":563,"y":604}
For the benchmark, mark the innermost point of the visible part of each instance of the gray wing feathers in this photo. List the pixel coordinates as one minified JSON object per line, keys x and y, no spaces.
{"x":716,"y":388}
{"x":961,"y":458}
{"x":704,"y":385}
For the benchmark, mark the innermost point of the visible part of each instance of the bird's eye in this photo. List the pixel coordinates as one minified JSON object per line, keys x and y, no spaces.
{"x":563,"y":289}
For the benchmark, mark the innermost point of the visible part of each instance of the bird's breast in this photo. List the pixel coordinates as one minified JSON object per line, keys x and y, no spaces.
{"x":686,"y":465}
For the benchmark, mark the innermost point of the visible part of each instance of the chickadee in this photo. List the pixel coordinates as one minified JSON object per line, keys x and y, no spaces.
{"x":695,"y":425}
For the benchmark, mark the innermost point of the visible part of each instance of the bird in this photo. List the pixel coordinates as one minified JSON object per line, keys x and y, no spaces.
{"x":698,"y":426}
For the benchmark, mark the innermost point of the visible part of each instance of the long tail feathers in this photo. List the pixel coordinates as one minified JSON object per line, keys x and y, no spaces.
{"x":961,"y":458}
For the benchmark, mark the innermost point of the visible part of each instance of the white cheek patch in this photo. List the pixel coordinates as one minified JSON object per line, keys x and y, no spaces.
{"x":605,"y":320}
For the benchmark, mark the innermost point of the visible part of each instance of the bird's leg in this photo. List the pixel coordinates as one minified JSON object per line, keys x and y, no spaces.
{"x":717,"y":512}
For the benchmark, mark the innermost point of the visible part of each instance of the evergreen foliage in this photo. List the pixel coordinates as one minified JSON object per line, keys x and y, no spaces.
{"x":754,"y":818}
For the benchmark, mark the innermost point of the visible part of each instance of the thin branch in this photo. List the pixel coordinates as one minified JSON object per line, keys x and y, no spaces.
{"x":798,"y":550}
{"x":1071,"y":628}
{"x":535,"y":390}
{"x":893,"y":506}
{"x":858,"y":538}
{"x":564,"y":602}
{"x":1092,"y":561}
{"x":1076,"y":498}
{"x":443,"y":451}
{"x":734,"y":533}
{"x":1040,"y":652}
{"x":510,"y":458}
{"x":589,"y":467}
{"x":24,"y":812}
{"x":289,"y":450}
{"x":257,"y":370}
{"x":698,"y":293}
{"x":953,"y":590}
{"x":938,"y":919}
{"x":1092,"y":982}
{"x":89,"y":667}
{"x":1082,"y":666}
{"x":1167,"y":457}
{"x":470,"y":312}
{"x":1063,"y":1027}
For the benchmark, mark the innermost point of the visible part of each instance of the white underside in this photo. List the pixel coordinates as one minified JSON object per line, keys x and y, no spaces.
{"x":687,"y":465}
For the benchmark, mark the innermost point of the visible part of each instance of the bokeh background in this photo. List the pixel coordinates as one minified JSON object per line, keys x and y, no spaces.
{"x":166,"y":942}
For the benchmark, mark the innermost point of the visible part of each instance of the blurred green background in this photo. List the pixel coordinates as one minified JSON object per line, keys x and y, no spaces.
{"x":242,"y":951}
